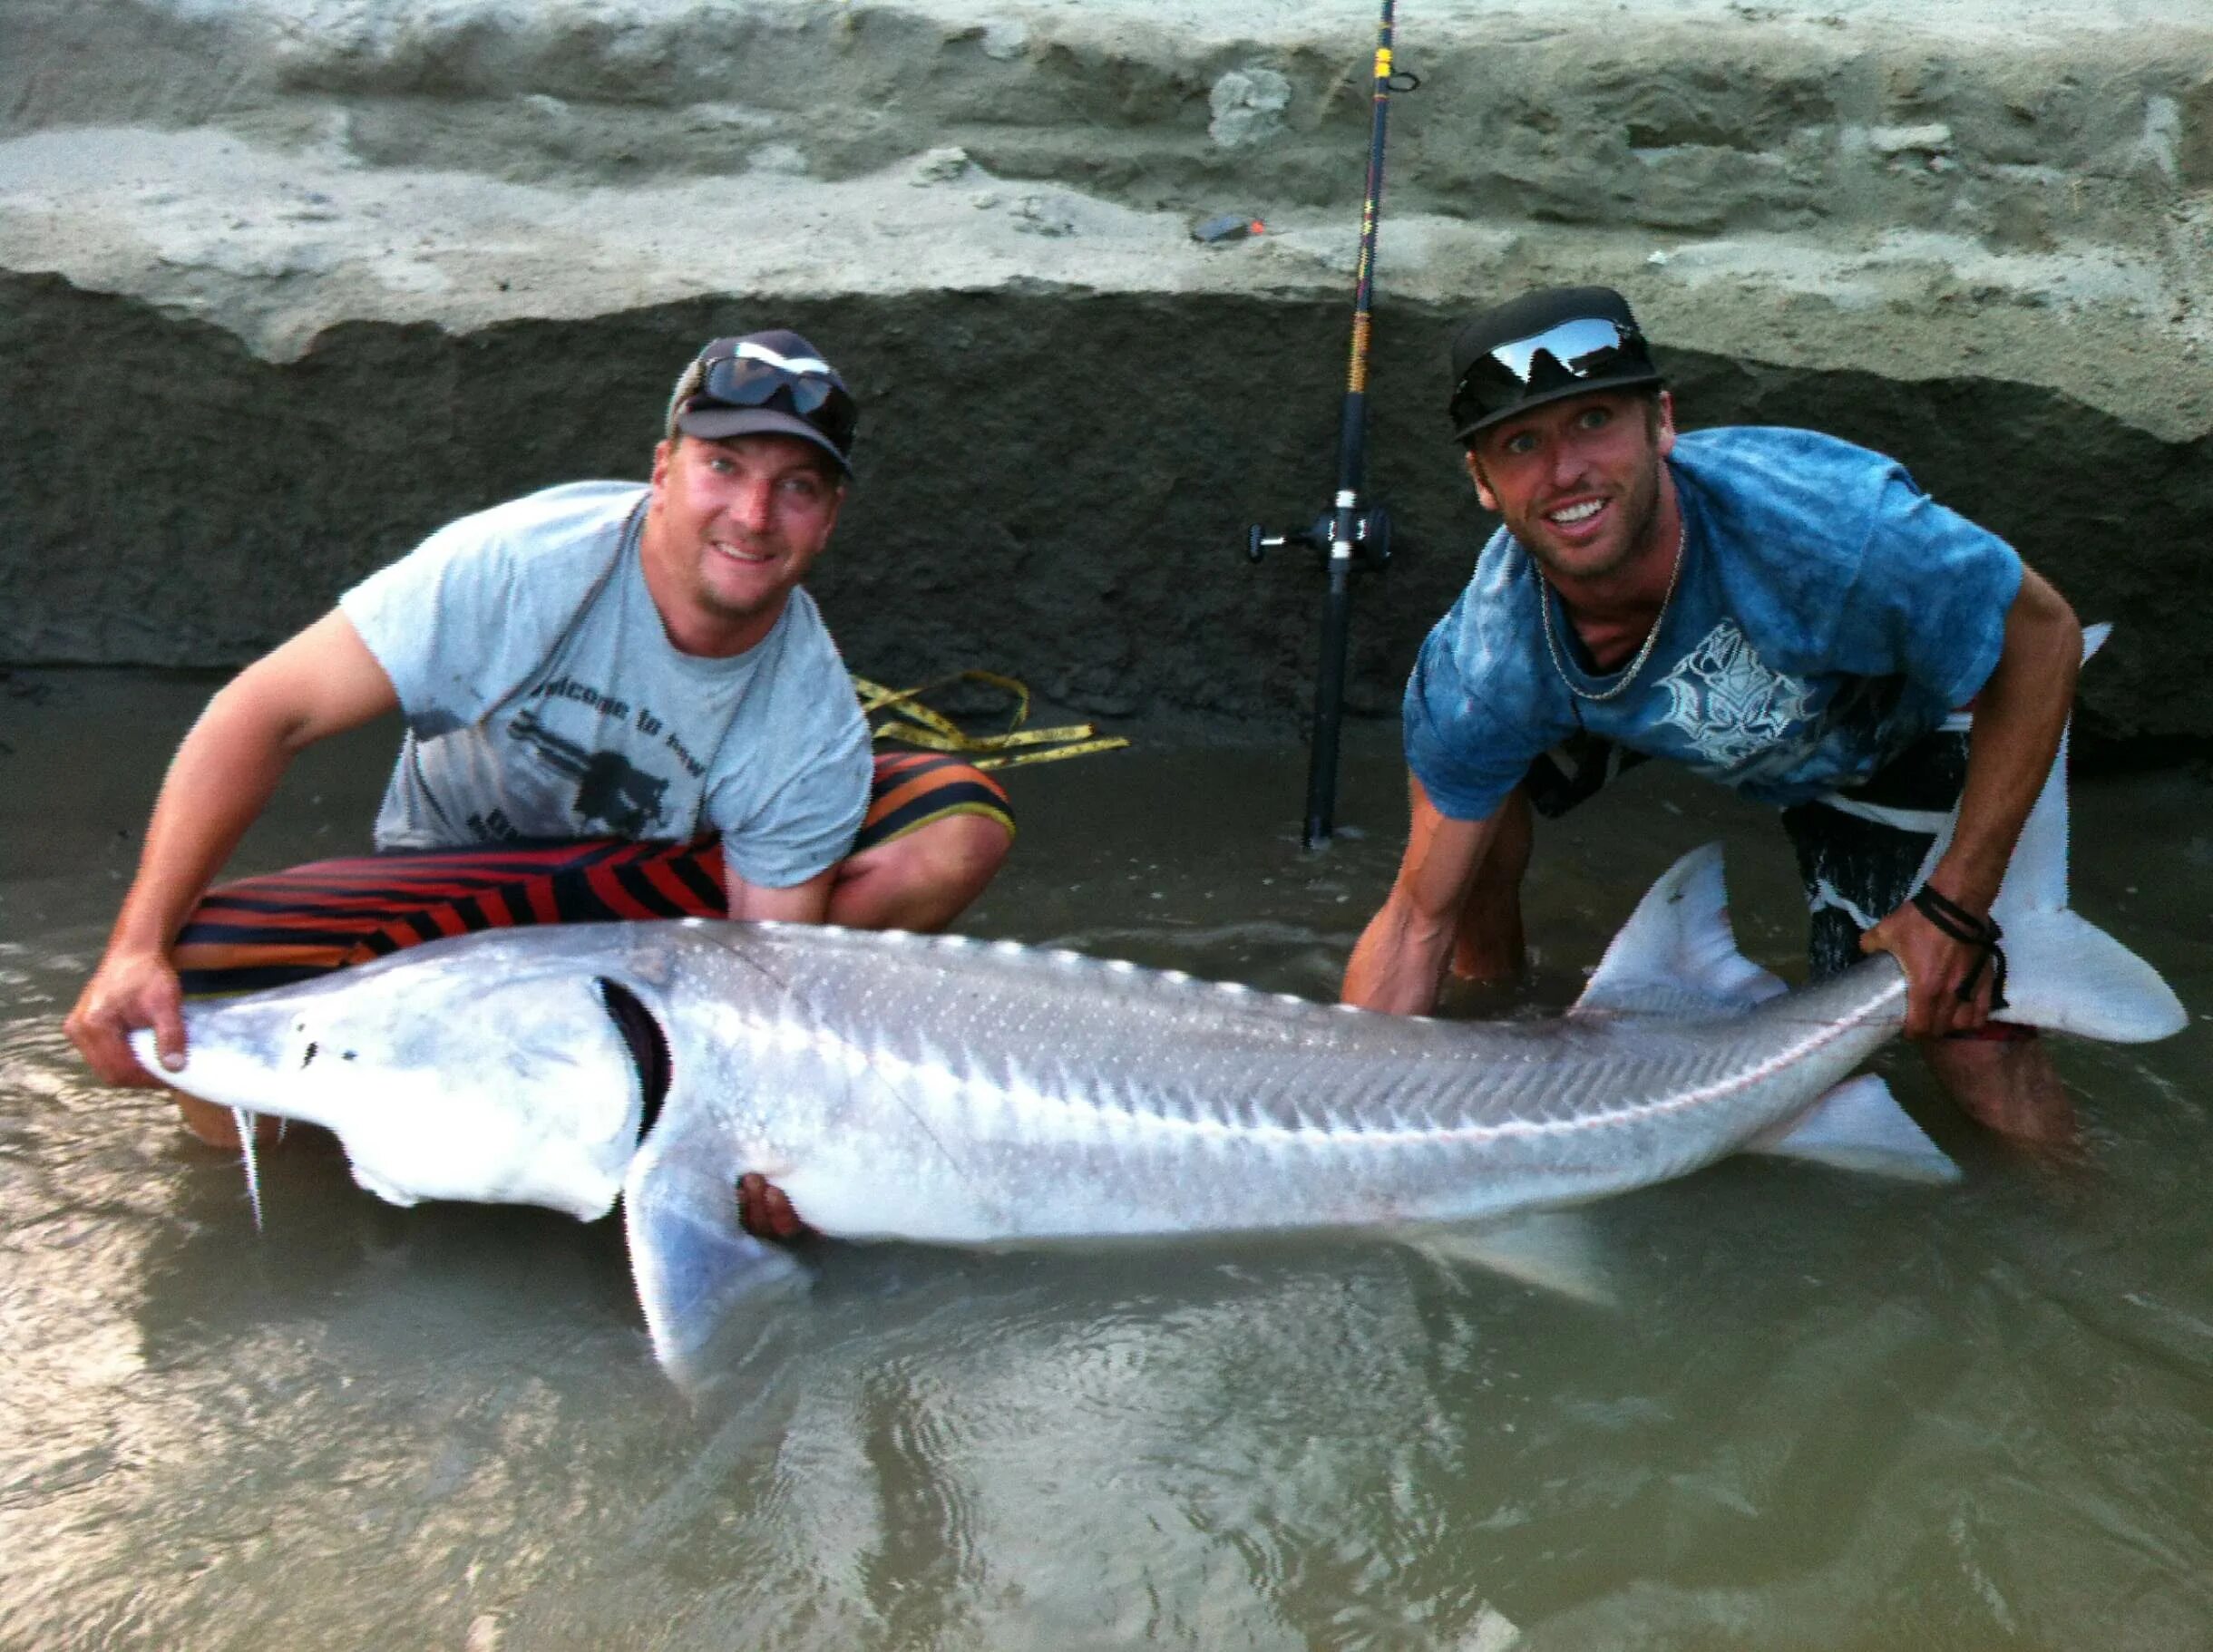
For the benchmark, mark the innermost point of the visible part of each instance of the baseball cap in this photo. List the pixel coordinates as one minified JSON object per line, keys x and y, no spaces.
{"x":1544,"y":347}
{"x":765,"y":383}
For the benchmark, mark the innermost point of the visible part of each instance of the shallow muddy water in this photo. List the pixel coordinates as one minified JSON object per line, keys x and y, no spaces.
{"x":1827,"y":1410}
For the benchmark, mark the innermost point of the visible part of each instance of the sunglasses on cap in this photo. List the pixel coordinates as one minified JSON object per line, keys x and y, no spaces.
{"x":806,"y":386}
{"x":1588,"y":353}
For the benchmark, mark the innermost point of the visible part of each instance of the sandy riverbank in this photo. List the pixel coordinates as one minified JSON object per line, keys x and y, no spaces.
{"x":332,"y":272}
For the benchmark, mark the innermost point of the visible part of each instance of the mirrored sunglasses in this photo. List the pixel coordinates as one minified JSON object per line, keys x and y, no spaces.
{"x":803,"y":386}
{"x":1545,"y":364}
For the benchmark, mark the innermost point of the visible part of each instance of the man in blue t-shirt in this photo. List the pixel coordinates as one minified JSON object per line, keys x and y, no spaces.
{"x":1784,"y":612}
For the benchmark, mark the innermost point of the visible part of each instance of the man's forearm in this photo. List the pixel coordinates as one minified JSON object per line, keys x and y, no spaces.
{"x":801,"y":903}
{"x":219,"y":783}
{"x":2019,"y":718}
{"x":1398,"y":962}
{"x":319,"y":683}
{"x":1400,"y":959}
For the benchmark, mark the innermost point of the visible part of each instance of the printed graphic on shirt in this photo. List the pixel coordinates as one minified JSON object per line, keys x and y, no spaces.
{"x":566,"y":688}
{"x":1727,"y":702}
{"x":611,"y":790}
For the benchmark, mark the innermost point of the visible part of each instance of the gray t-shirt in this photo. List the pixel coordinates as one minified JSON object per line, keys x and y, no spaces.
{"x":544,"y":699}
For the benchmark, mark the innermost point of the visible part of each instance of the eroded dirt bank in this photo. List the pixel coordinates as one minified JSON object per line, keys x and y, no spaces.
{"x":284,"y":285}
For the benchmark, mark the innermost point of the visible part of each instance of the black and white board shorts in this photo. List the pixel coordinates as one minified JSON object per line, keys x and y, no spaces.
{"x":1860,"y":852}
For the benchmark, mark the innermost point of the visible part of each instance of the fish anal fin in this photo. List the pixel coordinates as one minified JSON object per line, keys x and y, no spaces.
{"x":1859,"y":1126}
{"x":1552,"y":1250}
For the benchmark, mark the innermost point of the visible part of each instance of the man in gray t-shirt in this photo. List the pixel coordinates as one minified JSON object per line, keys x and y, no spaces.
{"x":604,"y":659}
{"x":544,"y":698}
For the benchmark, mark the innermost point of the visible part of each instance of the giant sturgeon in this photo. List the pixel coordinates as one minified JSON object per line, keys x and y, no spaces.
{"x":957,"y":1092}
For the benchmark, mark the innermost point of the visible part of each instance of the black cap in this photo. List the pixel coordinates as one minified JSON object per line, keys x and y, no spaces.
{"x":1544,"y":347}
{"x":773,"y":383}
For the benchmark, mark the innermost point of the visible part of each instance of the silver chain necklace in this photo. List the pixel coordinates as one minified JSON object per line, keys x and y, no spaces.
{"x":1629,"y":676}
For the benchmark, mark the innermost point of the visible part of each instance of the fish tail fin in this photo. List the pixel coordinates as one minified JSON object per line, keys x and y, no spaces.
{"x":1677,"y":955}
{"x":2063,"y":972}
{"x":691,"y":1259}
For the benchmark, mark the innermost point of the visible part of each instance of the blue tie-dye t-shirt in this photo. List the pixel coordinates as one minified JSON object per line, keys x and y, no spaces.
{"x":1827,"y":614}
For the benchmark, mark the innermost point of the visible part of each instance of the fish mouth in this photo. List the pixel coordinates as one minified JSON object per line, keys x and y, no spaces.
{"x":647,"y":1042}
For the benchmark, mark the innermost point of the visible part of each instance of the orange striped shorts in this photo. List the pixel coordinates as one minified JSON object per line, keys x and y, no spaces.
{"x":288,"y":926}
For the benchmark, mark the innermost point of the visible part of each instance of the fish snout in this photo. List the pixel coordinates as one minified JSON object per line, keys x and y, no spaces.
{"x":236,"y":1054}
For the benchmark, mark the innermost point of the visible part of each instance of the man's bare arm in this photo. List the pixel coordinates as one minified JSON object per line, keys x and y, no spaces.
{"x":1400,"y":957}
{"x":318,"y":683}
{"x":802,"y":903}
{"x":2019,"y":718}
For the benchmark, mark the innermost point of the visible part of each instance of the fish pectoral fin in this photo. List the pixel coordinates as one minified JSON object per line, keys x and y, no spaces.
{"x":1859,"y":1126}
{"x":1554,"y":1251}
{"x":690,"y":1260}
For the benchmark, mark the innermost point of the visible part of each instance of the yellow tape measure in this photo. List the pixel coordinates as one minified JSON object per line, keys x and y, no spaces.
{"x":915,"y":724}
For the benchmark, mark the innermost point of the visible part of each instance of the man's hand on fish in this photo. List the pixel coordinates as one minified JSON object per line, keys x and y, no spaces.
{"x":127,"y":991}
{"x":1935,"y":964}
{"x":765,"y":1212}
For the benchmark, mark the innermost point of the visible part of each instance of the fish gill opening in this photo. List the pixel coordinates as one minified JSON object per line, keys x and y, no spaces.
{"x":648,"y":1044}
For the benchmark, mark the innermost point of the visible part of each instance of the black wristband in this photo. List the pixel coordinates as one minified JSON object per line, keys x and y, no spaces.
{"x":1964,"y":927}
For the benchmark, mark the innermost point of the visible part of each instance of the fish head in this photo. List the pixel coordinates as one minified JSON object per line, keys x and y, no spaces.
{"x":442,"y":1080}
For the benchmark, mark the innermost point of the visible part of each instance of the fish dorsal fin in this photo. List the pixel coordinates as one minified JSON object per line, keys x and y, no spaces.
{"x":1676,"y":955}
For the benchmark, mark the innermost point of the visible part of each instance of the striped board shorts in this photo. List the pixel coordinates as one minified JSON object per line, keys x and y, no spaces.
{"x":284,"y":926}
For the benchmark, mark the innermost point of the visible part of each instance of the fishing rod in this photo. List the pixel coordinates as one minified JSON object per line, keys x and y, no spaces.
{"x":1355,"y":532}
